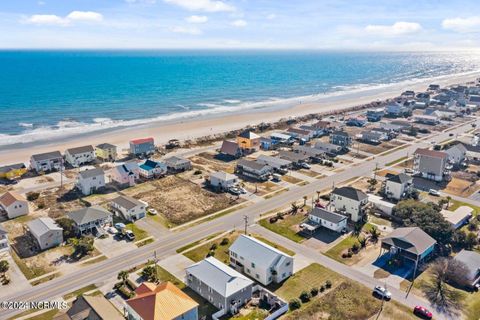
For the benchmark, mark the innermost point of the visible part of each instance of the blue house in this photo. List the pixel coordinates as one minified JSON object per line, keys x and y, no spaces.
{"x":340,"y":138}
{"x":143,"y":146}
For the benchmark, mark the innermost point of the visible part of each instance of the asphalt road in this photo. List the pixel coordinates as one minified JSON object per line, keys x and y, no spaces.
{"x":166,"y":245}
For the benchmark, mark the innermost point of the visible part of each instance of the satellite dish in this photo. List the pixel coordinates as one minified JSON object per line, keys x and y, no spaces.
{"x":393,"y":250}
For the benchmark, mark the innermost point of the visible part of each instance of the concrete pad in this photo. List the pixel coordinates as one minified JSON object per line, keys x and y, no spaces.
{"x":112,"y":247}
{"x":300,"y":261}
{"x":18,"y":282}
{"x":176,"y":265}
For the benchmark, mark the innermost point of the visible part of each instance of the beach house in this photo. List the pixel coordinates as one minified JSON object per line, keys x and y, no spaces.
{"x":295,"y":158}
{"x":372,"y":137}
{"x":356,"y":121}
{"x":14,"y":204}
{"x":375,"y":115}
{"x":231,"y":149}
{"x":152,"y":169}
{"x":4,"y":245}
{"x":248,"y":141}
{"x":90,"y":219}
{"x":318,"y":217}
{"x":91,"y":307}
{"x":80,"y":156}
{"x":125,"y":174}
{"x":349,"y":201}
{"x":142,"y":147}
{"x":178,"y":164}
{"x":13,"y":171}
{"x":340,"y":138}
{"x":44,"y":162}
{"x":328,"y":147}
{"x":301,"y":134}
{"x":459,"y":217}
{"x":397,"y":186}
{"x":471,"y":259}
{"x":46,"y":232}
{"x":222,"y":286}
{"x":90,"y":181}
{"x":456,"y":154}
{"x":259,"y":260}
{"x":252,"y":169}
{"x":129,"y":208}
{"x":280,"y":165}
{"x":430,"y":164}
{"x":160,"y":302}
{"x":221,"y":180}
{"x":106,"y":152}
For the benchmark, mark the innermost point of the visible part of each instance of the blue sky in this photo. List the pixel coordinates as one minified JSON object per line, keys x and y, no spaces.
{"x":268,"y":24}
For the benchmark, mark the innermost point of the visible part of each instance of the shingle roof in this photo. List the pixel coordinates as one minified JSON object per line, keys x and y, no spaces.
{"x":339,"y":133}
{"x":9,"y":197}
{"x":230,"y":147}
{"x":399,"y":178}
{"x":47,"y":156}
{"x":257,"y":251}
{"x":299,"y":131}
{"x":12,"y":167}
{"x":273,"y":160}
{"x":42,"y":225}
{"x":86,"y":174}
{"x":221,"y":175}
{"x":176,"y":160}
{"x":102,"y":307}
{"x":3,"y":230}
{"x":472,"y":260}
{"x":411,"y":239}
{"x":249,"y":135}
{"x":350,"y":193}
{"x":292,"y":156}
{"x":105,"y":146}
{"x":89,"y":214}
{"x":431,"y":153}
{"x":221,"y":278}
{"x":251,"y":164}
{"x":162,"y":302}
{"x":149,"y":165}
{"x":327,"y":215}
{"x":78,"y":150}
{"x":127,"y":202}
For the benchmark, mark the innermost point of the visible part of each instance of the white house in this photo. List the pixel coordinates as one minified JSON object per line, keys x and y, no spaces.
{"x":396,"y":186}
{"x":223,"y":180}
{"x":4,"y":246}
{"x":319,"y":217}
{"x":178,"y":164}
{"x":259,"y":260}
{"x":46,"y":161}
{"x":80,"y":155}
{"x":14,"y":204}
{"x":150,"y":169}
{"x":350,"y":201}
{"x":380,"y":204}
{"x":89,"y":181}
{"x":46,"y":232}
{"x":130,"y":208}
{"x":125,"y":174}
{"x":456,"y":154}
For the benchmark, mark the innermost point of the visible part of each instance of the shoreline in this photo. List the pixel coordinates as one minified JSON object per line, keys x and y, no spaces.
{"x":191,"y":128}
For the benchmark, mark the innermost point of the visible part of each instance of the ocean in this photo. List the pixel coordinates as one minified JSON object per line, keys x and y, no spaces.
{"x":51,"y":94}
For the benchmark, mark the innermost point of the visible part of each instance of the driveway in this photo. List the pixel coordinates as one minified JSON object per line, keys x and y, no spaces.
{"x":112,"y":247}
{"x":323,"y":239}
{"x":176,"y":265}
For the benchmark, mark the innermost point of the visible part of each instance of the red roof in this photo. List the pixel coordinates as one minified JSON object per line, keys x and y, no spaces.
{"x":431,"y":153}
{"x":142,"y":140}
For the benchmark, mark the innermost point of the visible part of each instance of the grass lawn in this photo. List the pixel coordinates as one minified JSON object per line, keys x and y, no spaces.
{"x":395,"y":161}
{"x":45,"y":316}
{"x":95,"y":260}
{"x":256,"y":314}
{"x":45,"y":279}
{"x":275,"y":193}
{"x":164,"y":276}
{"x":395,"y":311}
{"x":139,"y":233}
{"x":144,"y":242}
{"x":160,"y":219}
{"x":455,"y":204}
{"x":285,"y":227}
{"x":221,"y":252}
{"x":193,"y":244}
{"x":379,"y":221}
{"x":79,"y":291}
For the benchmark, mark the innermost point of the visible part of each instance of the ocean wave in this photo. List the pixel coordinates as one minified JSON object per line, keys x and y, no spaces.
{"x":70,"y":127}
{"x":26,"y":125}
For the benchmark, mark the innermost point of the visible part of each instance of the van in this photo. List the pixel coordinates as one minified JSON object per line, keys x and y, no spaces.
{"x":276,"y":177}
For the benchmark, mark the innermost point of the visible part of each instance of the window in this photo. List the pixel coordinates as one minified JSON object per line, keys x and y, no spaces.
{"x":257,"y":276}
{"x":288,"y":263}
{"x":253,"y":265}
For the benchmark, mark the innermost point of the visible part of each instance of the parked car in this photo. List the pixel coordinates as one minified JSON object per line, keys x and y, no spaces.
{"x":112,"y":230}
{"x":130,"y":235}
{"x":382,"y":292}
{"x":276,"y":177}
{"x":422,"y":312}
{"x":235,"y":191}
{"x":120,"y":226}
{"x":409,"y":170}
{"x":305,"y":165}
{"x":434,"y":192}
{"x":450,"y":135}
{"x":153,"y":212}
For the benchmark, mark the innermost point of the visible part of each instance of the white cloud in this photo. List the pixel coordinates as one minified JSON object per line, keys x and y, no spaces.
{"x":398,"y":28}
{"x":203,"y":5}
{"x":470,"y":24}
{"x":41,"y":3}
{"x":187,"y":30}
{"x":85,"y":16}
{"x":196,"y":19}
{"x":271,"y":16}
{"x":239,"y":23}
{"x":54,"y":20}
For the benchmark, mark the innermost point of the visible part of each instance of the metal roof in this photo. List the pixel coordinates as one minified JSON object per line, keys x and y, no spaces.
{"x":89,"y":214}
{"x":86,"y":174}
{"x":43,"y":225}
{"x":47,"y":156}
{"x":327,"y":215}
{"x":350,"y":193}
{"x":411,"y":239}
{"x":77,"y":150}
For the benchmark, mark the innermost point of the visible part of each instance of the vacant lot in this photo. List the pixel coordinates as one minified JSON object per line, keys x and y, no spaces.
{"x":179,"y":200}
{"x":56,"y":202}
{"x":261,"y":188}
{"x":287,"y":227}
{"x":461,"y":187}
{"x":210,"y":162}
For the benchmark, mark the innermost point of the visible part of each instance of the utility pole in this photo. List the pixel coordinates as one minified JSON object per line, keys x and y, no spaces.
{"x":155,"y":259}
{"x":245,"y":218}
{"x":375,"y":171}
{"x":61,"y":173}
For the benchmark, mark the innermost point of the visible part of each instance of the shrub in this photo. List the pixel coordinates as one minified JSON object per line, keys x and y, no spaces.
{"x":328,"y":284}
{"x":197,"y":172}
{"x":349,"y":254}
{"x":211,"y":253}
{"x":305,"y":296}
{"x":344,"y":255}
{"x":273,"y":219}
{"x":32,"y":196}
{"x":224,"y":242}
{"x":294,"y":304}
{"x":213,"y":247}
{"x":355,"y":247}
{"x":322,"y":288}
{"x":125,"y":292}
{"x":41,"y":206}
{"x":314,"y":292}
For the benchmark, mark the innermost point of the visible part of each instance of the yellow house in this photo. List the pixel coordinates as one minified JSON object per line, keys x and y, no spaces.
{"x":13,"y":171}
{"x":248,"y":140}
{"x":106,"y":151}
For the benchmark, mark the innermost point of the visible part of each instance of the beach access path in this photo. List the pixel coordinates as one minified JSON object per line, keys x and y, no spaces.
{"x":167,"y":244}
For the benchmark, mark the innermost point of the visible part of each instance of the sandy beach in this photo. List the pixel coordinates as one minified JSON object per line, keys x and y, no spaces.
{"x":194,"y":128}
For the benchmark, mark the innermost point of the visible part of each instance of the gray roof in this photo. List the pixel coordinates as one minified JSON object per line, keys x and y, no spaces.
{"x":460,"y":147}
{"x":3,"y":230}
{"x":218,"y":276}
{"x":273,"y":160}
{"x":176,"y":160}
{"x":127,"y":202}
{"x":350,"y":193}
{"x":104,"y":146}
{"x":248,"y":135}
{"x":47,"y":156}
{"x":293,"y":156}
{"x":308,"y":150}
{"x":251,"y":164}
{"x":339,"y":133}
{"x":411,"y":239}
{"x":399,"y":178}
{"x":89,"y":214}
{"x":327,"y":215}
{"x":41,"y":226}
{"x":86,"y":174}
{"x":257,"y":251}
{"x":230,"y":147}
{"x":221,"y":175}
{"x":472,"y":260}
{"x":78,"y":150}
{"x":12,"y":167}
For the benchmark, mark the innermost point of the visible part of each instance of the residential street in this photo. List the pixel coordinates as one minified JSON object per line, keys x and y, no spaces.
{"x":166,"y":244}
